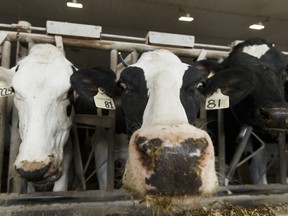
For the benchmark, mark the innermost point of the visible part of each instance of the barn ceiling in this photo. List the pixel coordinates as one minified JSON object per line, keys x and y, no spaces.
{"x":215,"y":22}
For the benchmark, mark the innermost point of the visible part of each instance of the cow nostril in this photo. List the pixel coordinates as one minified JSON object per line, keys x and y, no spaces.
{"x":33,"y":175}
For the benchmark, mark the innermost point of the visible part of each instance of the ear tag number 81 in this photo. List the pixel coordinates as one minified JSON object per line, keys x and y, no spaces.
{"x":217,"y":101}
{"x":103,"y":101}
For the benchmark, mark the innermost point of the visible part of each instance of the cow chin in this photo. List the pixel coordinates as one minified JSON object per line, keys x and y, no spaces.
{"x":175,"y":162}
{"x":39,"y":173}
{"x":274,"y":118}
{"x":49,"y":180}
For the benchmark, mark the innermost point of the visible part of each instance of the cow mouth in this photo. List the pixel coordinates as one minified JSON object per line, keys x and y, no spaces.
{"x":49,"y":180}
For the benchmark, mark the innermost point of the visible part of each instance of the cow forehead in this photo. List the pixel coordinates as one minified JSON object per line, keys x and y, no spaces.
{"x":43,"y":70}
{"x":162,"y":68}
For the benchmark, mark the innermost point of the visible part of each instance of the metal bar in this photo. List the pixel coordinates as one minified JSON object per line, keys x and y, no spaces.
{"x":14,"y":182}
{"x":17,"y":26}
{"x":110,"y":45}
{"x":254,"y":153}
{"x":111,"y":132}
{"x":77,"y":158}
{"x":244,"y":135}
{"x":5,"y":62}
{"x":98,"y":121}
{"x":221,"y":146}
{"x":117,"y":202}
{"x":282,"y":157}
{"x":134,"y":56}
{"x":212,"y":46}
{"x":123,"y":37}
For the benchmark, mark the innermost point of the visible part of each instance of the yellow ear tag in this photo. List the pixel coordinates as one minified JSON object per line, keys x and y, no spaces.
{"x":103,"y":101}
{"x":6,"y":91}
{"x":217,"y":101}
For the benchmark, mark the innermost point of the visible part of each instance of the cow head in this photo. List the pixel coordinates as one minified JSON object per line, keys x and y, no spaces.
{"x":41,"y":83}
{"x":160,"y":97}
{"x":253,"y":76}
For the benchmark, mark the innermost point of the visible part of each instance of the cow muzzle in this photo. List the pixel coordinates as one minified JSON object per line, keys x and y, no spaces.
{"x":275,"y":118}
{"x":39,"y":173}
{"x":170,"y":161}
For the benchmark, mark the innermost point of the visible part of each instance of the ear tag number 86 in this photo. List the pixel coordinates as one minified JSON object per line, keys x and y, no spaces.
{"x":217,"y":101}
{"x":103,"y":101}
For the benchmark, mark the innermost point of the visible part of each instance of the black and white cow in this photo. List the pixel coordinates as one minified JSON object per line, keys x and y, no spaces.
{"x":160,"y":98}
{"x":253,"y":76}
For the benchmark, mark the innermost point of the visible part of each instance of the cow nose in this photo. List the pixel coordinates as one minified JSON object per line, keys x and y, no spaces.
{"x":34,"y":174}
{"x":170,"y":161}
{"x":275,"y":117}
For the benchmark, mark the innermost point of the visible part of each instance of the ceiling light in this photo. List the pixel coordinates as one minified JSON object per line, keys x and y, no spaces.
{"x":186,"y":18}
{"x":257,"y":26}
{"x":74,"y":4}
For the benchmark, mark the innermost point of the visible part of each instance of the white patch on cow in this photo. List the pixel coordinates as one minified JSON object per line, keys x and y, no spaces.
{"x":41,"y":85}
{"x":256,"y":50}
{"x":163,"y":73}
{"x":195,"y":154}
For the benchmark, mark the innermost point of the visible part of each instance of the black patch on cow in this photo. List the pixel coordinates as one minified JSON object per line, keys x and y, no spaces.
{"x":70,"y":97}
{"x":134,"y":96}
{"x":69,"y":110}
{"x":147,"y":150}
{"x":174,"y":171}
{"x":190,"y":95}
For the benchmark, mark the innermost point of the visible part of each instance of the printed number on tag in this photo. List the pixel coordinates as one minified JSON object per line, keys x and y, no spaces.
{"x":6,"y":91}
{"x":103,"y":101}
{"x":217,"y":101}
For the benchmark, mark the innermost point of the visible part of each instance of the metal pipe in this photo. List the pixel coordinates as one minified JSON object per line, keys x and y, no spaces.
{"x":221,"y":146}
{"x":255,"y":152}
{"x":110,"y":45}
{"x":244,"y":135}
{"x":123,"y":37}
{"x":212,"y":46}
{"x":5,"y":62}
{"x":17,"y":26}
{"x":282,"y":157}
{"x":111,"y":132}
{"x":134,"y":56}
{"x":13,"y":180}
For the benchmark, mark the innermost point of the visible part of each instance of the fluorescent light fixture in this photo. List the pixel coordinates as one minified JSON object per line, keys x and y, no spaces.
{"x":257,"y":26}
{"x":74,"y":4}
{"x":186,"y":18}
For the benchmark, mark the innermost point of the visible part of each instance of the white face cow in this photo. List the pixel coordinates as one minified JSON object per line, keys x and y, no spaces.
{"x":41,"y":83}
{"x":167,"y":155}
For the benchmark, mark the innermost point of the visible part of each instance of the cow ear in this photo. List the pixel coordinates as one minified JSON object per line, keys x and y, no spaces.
{"x":87,"y":81}
{"x":6,"y":76}
{"x":237,"y":83}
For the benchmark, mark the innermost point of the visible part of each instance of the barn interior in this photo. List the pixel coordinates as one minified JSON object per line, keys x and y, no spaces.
{"x":129,"y":26}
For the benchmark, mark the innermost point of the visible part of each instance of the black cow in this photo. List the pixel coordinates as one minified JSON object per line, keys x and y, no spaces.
{"x":160,"y":97}
{"x":253,"y":77}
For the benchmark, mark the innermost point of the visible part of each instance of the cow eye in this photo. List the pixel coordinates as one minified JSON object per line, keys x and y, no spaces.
{"x":201,"y":85}
{"x":122,"y":86}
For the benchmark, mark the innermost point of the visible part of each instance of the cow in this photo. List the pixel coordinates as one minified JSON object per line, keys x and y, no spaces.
{"x":253,"y":77}
{"x":160,"y":98}
{"x":41,"y":86}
